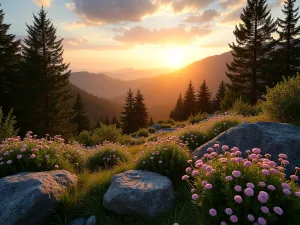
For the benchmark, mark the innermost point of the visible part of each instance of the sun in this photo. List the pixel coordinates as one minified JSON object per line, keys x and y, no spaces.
{"x":174,"y":58}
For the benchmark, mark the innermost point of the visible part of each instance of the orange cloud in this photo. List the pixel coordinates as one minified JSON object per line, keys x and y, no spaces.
{"x":45,"y":3}
{"x":206,"y":16}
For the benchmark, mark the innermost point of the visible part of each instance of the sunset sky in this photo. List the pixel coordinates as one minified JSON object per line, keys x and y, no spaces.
{"x":105,"y":35}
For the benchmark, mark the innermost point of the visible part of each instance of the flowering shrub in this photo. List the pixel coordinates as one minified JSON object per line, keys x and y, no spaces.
{"x":194,"y":139}
{"x":165,"y":157}
{"x":107,"y":156}
{"x":32,"y":154}
{"x":234,"y":190}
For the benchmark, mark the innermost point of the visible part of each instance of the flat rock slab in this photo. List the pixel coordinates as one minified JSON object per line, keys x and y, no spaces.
{"x":271,"y":138}
{"x":29,"y":198}
{"x":140,"y":193}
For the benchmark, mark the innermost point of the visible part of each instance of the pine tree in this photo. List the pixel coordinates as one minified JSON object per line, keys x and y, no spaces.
{"x":288,"y":53}
{"x":116,"y":122}
{"x":151,"y":122}
{"x":189,"y":102}
{"x":45,"y":77}
{"x":178,"y":112}
{"x":204,"y":99}
{"x":80,"y":118}
{"x":9,"y":60}
{"x":250,"y":70}
{"x":140,"y":111}
{"x":127,"y":117}
{"x":219,"y":96}
{"x":107,"y":122}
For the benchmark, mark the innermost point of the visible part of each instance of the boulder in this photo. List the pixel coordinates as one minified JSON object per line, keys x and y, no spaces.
{"x":92,"y":221}
{"x":140,"y":193}
{"x":79,"y":221}
{"x":156,"y":126}
{"x":29,"y":198}
{"x":271,"y":138}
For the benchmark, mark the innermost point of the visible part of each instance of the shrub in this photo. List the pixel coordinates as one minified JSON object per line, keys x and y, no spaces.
{"x":85,"y":138}
{"x":243,"y":191}
{"x":165,"y":125}
{"x":142,"y":132}
{"x":107,"y":157}
{"x":151,"y":130}
{"x":7,"y":124}
{"x":282,"y":101}
{"x":198,"y":118}
{"x":106,"y":133}
{"x":194,"y":139}
{"x":221,"y":126}
{"x":168,"y":159}
{"x":36,"y":155}
{"x":241,"y":108}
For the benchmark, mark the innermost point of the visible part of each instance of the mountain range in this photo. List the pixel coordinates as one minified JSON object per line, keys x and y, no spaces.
{"x":161,"y":91}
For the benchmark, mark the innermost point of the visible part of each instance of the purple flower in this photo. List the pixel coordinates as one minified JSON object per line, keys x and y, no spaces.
{"x":286,"y":191}
{"x":283,"y":156}
{"x":294,"y":177}
{"x":266,"y":172}
{"x":236,"y":173}
{"x":249,"y":192}
{"x":32,"y":156}
{"x":9,"y":162}
{"x":223,"y":223}
{"x":228,"y":211}
{"x":250,"y":185}
{"x":297,"y":194}
{"x":264,"y":209}
{"x":238,"y":199}
{"x":208,"y":186}
{"x":261,"y":184}
{"x":251,"y":218}
{"x":19,"y":156}
{"x":195,"y":197}
{"x":234,"y":219}
{"x":263,"y":197}
{"x":285,"y":186}
{"x":213,"y":212}
{"x":228,"y":178}
{"x":256,"y":150}
{"x":247,"y":163}
{"x":278,"y":210}
{"x":195,"y":173}
{"x":271,"y":187}
{"x":262,"y":221}
{"x":204,"y":183}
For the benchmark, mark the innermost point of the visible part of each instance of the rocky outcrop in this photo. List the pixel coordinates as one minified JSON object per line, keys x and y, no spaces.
{"x":271,"y":138}
{"x":140,"y":193}
{"x":29,"y":198}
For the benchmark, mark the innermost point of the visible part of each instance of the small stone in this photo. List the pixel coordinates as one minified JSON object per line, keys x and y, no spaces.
{"x":92,"y":221}
{"x":78,"y":221}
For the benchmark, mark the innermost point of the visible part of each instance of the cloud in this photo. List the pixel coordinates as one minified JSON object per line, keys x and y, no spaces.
{"x":165,"y":36}
{"x":75,"y":25}
{"x":233,"y":16}
{"x":206,"y":16}
{"x":45,"y":3}
{"x":225,"y":4}
{"x":115,"y":11}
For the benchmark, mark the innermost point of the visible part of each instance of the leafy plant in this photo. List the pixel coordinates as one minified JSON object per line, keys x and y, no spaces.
{"x":144,"y":132}
{"x":242,"y":108}
{"x":106,"y":133}
{"x":198,"y":118}
{"x":85,"y":138}
{"x":7,"y":125}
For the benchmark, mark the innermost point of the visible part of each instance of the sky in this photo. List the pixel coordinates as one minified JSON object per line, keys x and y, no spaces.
{"x":106,"y":35}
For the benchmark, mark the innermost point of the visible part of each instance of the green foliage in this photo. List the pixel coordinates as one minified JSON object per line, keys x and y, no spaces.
{"x":168,"y":159}
{"x":220,"y":96}
{"x":194,"y":139}
{"x":80,"y":119}
{"x":151,"y":130}
{"x":198,"y":118}
{"x":107,"y":157}
{"x":282,"y":102}
{"x":142,"y":132}
{"x":7,"y":125}
{"x":85,"y":138}
{"x":242,"y":108}
{"x":40,"y":155}
{"x":189,"y":103}
{"x":204,"y":103}
{"x":214,"y":184}
{"x":140,"y":111}
{"x":106,"y":133}
{"x":221,"y":126}
{"x":178,"y":112}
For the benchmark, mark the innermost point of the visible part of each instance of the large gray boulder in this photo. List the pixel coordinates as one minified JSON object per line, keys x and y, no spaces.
{"x":271,"y":138}
{"x":140,"y":193}
{"x":29,"y":198}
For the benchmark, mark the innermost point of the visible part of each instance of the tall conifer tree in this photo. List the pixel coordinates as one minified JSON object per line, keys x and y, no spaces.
{"x":288,"y":53}
{"x":178,"y":112}
{"x":250,"y":70}
{"x":80,"y":119}
{"x":9,"y":60}
{"x":204,"y":99}
{"x":220,"y":96}
{"x":45,"y":95}
{"x":189,"y":101}
{"x":140,"y":111}
{"x":127,"y":117}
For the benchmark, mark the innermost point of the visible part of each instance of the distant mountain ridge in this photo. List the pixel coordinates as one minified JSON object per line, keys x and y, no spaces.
{"x":160,"y":92}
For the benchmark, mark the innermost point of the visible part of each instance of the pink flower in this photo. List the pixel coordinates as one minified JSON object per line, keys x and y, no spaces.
{"x":213,"y":212}
{"x":263,"y":197}
{"x":283,"y":156}
{"x":195,"y":197}
{"x":199,"y":164}
{"x":249,"y":192}
{"x":185,"y":177}
{"x":250,"y":185}
{"x":238,"y":199}
{"x":237,"y":188}
{"x":264,"y":209}
{"x":278,"y":210}
{"x":228,"y":211}
{"x":294,"y":177}
{"x":210,"y":149}
{"x":208,"y":186}
{"x":189,"y":169}
{"x":204,"y":183}
{"x":225,"y":147}
{"x":32,"y":156}
{"x":56,"y":166}
{"x":234,"y":219}
{"x":261,"y":184}
{"x":253,"y":156}
{"x":228,"y":178}
{"x":286,"y":191}
{"x":271,"y":187}
{"x":193,"y":190}
{"x":266,"y":172}
{"x":262,"y":221}
{"x":285,"y":162}
{"x":285,"y":186}
{"x":272,"y":170}
{"x":236,"y":173}
{"x":208,"y":169}
{"x":195,"y":173}
{"x":19,"y":156}
{"x":297,"y":194}
{"x":216,"y":145}
{"x":223,"y":223}
{"x":23,"y":149}
{"x":175,"y":223}
{"x":256,"y":150}
{"x":9,"y":162}
{"x":247,"y":163}
{"x":251,"y":218}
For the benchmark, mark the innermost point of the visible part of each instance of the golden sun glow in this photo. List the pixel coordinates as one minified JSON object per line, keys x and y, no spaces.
{"x":174,"y":58}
